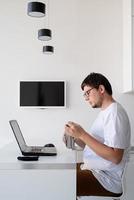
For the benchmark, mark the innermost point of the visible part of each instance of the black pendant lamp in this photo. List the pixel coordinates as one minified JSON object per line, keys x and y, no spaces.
{"x":48,"y":49}
{"x":36,"y":9}
{"x":44,"y":34}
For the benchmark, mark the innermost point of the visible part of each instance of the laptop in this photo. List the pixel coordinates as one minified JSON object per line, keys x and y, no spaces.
{"x":30,"y":150}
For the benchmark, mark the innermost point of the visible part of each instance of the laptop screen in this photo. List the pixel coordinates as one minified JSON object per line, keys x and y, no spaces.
{"x":18,"y":135}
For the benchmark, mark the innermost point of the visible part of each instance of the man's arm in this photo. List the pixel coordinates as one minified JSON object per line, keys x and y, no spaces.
{"x":112,"y":154}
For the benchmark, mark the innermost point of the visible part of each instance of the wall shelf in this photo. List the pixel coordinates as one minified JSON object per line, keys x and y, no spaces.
{"x":128,"y":44}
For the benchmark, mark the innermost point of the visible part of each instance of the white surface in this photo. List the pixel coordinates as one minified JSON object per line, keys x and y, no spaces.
{"x":37,"y":184}
{"x":43,"y":179}
{"x":65,"y":159}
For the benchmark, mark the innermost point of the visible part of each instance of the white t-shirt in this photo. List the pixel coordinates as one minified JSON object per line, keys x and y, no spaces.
{"x":111,"y":128}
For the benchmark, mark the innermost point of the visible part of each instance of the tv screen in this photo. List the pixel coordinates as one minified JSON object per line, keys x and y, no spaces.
{"x":42,"y":93}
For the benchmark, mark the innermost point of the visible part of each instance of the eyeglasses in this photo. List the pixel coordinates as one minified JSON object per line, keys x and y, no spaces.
{"x":87,"y":93}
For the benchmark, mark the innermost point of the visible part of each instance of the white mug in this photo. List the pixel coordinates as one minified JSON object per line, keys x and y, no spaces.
{"x":69,"y":141}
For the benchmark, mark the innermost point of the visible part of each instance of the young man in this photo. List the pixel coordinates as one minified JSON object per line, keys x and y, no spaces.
{"x":105,"y":145}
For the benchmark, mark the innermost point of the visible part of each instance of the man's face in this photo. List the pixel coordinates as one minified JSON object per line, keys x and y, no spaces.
{"x":93,"y":96}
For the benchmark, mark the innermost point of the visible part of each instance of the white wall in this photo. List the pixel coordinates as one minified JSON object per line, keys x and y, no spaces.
{"x":87,"y":36}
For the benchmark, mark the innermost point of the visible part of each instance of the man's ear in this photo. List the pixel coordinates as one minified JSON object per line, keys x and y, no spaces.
{"x":101,"y":89}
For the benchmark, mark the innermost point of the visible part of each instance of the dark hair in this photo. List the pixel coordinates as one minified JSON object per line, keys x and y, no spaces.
{"x":95,"y":80}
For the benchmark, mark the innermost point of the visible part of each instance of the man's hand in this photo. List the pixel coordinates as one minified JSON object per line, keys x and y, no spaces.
{"x":74,"y":129}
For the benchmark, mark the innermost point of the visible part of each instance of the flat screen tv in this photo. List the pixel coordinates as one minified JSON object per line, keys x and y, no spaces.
{"x":43,"y":94}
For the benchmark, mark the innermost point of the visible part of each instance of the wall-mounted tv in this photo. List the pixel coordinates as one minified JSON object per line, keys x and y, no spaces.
{"x":43,"y":94}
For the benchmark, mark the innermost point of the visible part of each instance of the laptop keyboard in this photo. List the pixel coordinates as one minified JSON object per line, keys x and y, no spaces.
{"x":35,"y":150}
{"x":41,"y":149}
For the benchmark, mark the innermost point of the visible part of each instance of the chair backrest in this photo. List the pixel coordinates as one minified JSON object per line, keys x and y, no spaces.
{"x":124,"y":188}
{"x":124,"y":181}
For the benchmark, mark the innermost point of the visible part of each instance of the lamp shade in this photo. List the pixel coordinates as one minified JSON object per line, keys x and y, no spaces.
{"x":36,"y":9}
{"x":44,"y":34}
{"x":48,"y":49}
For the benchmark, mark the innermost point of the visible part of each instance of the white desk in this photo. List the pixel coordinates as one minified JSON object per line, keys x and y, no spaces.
{"x":50,"y":178}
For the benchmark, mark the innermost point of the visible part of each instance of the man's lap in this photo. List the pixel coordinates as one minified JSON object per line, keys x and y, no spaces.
{"x":88,"y":185}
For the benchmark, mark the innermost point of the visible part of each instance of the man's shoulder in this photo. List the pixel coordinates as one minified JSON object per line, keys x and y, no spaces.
{"x":115,"y":111}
